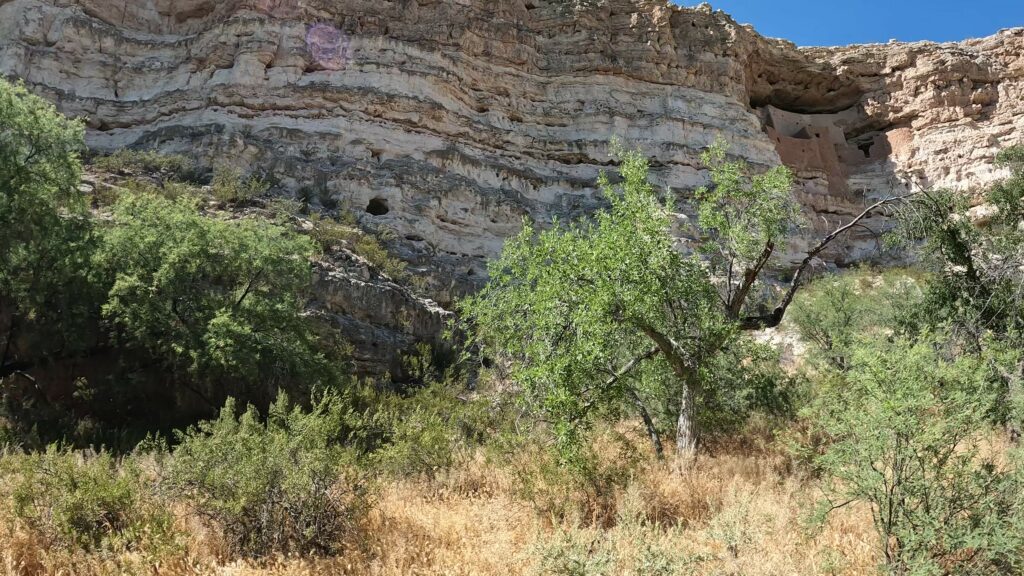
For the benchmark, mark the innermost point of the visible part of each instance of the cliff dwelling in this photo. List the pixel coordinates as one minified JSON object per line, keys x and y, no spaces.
{"x":818,"y":143}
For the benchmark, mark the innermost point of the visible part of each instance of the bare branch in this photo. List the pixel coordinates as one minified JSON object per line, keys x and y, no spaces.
{"x":774,"y":318}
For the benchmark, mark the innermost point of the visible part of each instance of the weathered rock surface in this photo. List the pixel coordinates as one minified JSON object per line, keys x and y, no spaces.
{"x":448,"y":121}
{"x":382,"y":320}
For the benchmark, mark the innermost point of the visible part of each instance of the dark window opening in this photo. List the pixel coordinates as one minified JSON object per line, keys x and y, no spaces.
{"x":377,"y":207}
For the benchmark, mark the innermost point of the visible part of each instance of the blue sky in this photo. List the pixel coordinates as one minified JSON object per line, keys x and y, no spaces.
{"x":832,"y":22}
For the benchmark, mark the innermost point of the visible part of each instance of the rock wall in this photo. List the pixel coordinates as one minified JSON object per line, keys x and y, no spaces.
{"x":448,"y":121}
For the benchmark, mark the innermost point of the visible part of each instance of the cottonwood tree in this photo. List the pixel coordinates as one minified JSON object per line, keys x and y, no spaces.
{"x":604,"y":311}
{"x":45,"y":239}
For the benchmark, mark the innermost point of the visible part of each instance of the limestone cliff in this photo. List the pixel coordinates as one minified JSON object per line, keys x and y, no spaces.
{"x":447,"y":121}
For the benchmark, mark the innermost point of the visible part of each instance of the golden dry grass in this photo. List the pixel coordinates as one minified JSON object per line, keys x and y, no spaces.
{"x":474,"y":520}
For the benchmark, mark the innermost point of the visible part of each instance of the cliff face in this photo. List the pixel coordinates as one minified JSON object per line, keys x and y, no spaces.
{"x":447,"y":121}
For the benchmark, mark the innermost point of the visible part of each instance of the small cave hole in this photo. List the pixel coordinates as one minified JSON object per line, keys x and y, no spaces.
{"x":866,"y":148}
{"x":377,"y":207}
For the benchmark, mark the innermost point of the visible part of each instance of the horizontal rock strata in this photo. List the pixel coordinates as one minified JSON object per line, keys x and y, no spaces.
{"x":448,"y":121}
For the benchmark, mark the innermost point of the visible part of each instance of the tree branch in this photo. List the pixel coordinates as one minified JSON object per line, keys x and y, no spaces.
{"x":248,"y":287}
{"x":774,"y":318}
{"x":673,"y":352}
{"x":750,"y":275}
{"x":652,"y":430}
{"x":631,"y":365}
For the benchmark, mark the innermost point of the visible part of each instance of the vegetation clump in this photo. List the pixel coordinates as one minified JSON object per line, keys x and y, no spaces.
{"x":97,"y":503}
{"x":138,"y":162}
{"x":280,"y":484}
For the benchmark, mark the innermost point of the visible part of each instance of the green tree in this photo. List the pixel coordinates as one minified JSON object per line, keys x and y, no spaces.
{"x":904,"y":429}
{"x":836,"y":311}
{"x":216,"y":302}
{"x":976,"y":258}
{"x":45,"y":238}
{"x":743,"y":216}
{"x":607,"y":311}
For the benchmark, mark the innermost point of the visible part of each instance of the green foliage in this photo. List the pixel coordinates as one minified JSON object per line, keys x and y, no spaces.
{"x":569,"y":306}
{"x":835,"y":312}
{"x":742,"y":380}
{"x":743,"y":214}
{"x":904,"y":430}
{"x":149,"y":162}
{"x":604,"y":315}
{"x":330,"y":234}
{"x":230,"y":185}
{"x":45,"y":299}
{"x":422,"y":431}
{"x":737,"y":527}
{"x":283,"y":485}
{"x":1012,"y":158}
{"x":216,"y":302}
{"x":631,"y":548}
{"x":169,"y":189}
{"x":573,"y":553}
{"x":95,"y":503}
{"x":978,"y":268}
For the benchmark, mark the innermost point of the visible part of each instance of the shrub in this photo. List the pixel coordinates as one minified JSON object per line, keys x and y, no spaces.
{"x":904,"y":430}
{"x":835,"y":311}
{"x":125,"y":161}
{"x":424,"y":430}
{"x":575,"y":553}
{"x":422,"y":433}
{"x":629,"y":549}
{"x":229,"y":185}
{"x":277,"y":486}
{"x":88,"y":502}
{"x":578,"y":488}
{"x":330,"y":234}
{"x":736,"y":526}
{"x":170,"y":190}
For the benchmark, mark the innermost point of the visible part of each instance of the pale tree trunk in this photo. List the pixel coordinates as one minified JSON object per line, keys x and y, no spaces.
{"x":686,"y":426}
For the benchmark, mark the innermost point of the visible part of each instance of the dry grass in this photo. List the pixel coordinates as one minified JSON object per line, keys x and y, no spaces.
{"x":735,"y":513}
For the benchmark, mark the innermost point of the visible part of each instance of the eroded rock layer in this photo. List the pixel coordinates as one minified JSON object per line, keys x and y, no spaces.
{"x":448,"y":121}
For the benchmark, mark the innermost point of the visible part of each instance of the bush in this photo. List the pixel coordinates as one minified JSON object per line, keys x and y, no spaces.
{"x":835,"y":311}
{"x":229,"y":185}
{"x":170,"y":190}
{"x":423,"y":433}
{"x":173,"y":166}
{"x":904,"y":430}
{"x":578,"y":488}
{"x":424,"y":430}
{"x":573,"y":553}
{"x":330,"y":234}
{"x":95,"y":503}
{"x":279,"y":486}
{"x":630,"y":549}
